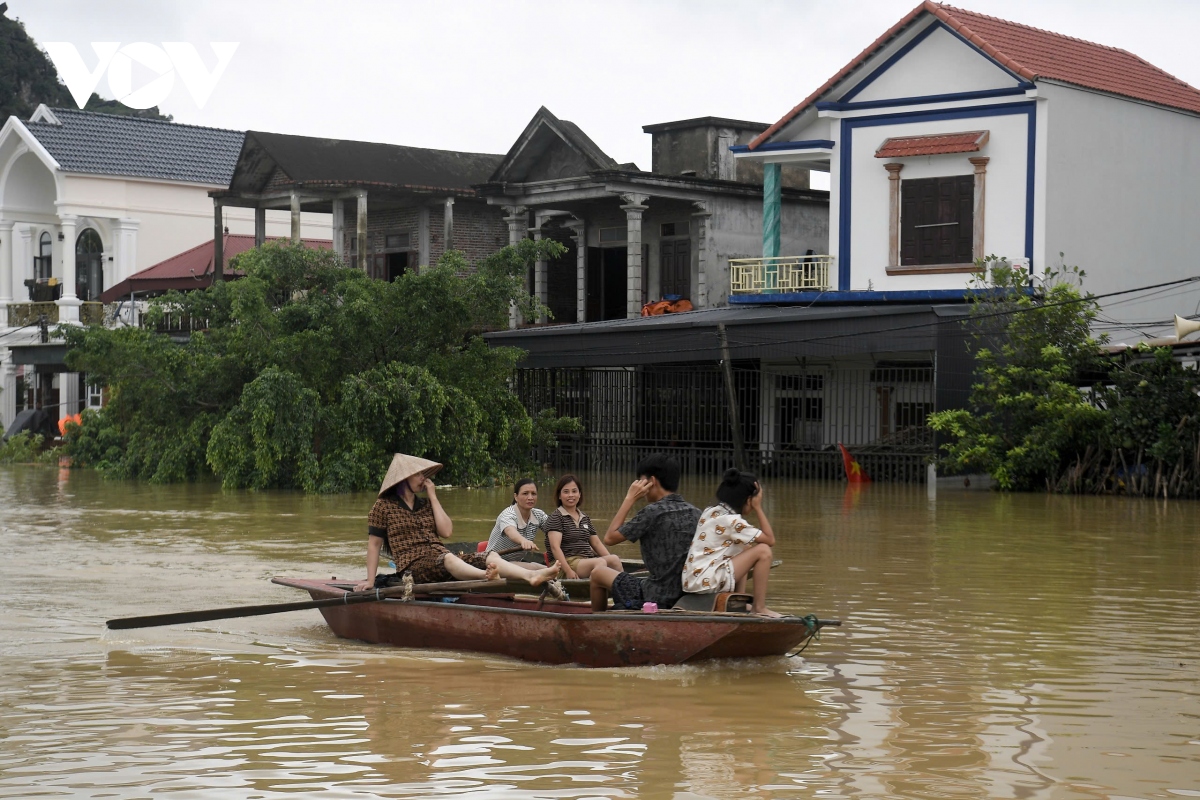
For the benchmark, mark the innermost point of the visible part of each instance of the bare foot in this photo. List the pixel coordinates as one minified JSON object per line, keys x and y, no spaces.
{"x":491,"y":573}
{"x":542,"y":575}
{"x":768,"y":613}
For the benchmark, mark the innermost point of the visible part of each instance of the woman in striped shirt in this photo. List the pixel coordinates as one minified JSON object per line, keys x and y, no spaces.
{"x":570,"y":536}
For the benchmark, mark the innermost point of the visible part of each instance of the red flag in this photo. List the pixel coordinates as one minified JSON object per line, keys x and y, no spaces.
{"x":854,"y":470}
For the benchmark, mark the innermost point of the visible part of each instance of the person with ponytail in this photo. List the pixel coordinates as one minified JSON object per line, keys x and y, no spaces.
{"x":727,"y":548}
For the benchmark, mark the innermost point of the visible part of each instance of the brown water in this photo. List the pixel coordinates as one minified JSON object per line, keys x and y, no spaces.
{"x":994,"y":646}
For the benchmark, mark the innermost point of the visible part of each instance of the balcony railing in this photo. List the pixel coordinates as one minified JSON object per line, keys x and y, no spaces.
{"x":20,"y":314}
{"x":91,"y":313}
{"x":780,"y":274}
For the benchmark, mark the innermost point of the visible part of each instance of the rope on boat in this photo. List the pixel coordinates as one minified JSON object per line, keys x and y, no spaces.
{"x":813,"y":633}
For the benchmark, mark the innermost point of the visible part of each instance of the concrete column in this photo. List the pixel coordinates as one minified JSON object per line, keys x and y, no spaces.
{"x":68,"y":394}
{"x":518,"y":228}
{"x":23,"y":263}
{"x":980,"y":163}
{"x":448,"y":225}
{"x":6,"y":269}
{"x":893,"y":170}
{"x":218,"y":242}
{"x":260,"y":228}
{"x":8,"y":390}
{"x":579,"y":234}
{"x":772,"y":202}
{"x":423,"y":254}
{"x":361,"y":228}
{"x":337,"y":228}
{"x":634,"y":208}
{"x":704,"y":257}
{"x":68,"y":304}
{"x":125,"y":232}
{"x":541,"y":268}
{"x":295,"y":217}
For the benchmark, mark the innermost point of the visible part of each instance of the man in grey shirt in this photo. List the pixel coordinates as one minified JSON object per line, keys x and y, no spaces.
{"x":664,"y":529}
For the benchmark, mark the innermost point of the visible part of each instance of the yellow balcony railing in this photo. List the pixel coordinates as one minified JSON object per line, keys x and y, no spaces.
{"x":20,"y":314}
{"x":780,"y":274}
{"x":91,"y":313}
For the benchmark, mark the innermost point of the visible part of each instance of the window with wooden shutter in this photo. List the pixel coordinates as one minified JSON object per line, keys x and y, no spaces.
{"x":937,"y":221}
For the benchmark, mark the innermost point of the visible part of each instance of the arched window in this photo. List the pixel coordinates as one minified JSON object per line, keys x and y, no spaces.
{"x":89,"y":265}
{"x":43,"y":262}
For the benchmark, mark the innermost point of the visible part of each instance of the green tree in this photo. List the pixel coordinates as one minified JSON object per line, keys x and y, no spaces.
{"x":310,"y":375}
{"x":1028,"y":420}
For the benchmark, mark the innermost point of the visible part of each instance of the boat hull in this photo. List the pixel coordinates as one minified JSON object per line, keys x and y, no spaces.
{"x":557,"y":632}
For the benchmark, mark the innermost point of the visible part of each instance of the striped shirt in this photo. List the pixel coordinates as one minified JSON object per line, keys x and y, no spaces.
{"x":576,"y":537}
{"x":509,"y":516}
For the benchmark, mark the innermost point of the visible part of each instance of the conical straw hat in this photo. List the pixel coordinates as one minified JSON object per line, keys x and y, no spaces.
{"x":403,"y":467}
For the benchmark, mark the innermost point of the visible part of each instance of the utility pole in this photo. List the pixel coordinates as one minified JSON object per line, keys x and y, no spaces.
{"x":735,"y":422}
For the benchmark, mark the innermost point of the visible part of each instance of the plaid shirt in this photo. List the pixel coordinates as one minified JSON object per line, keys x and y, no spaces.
{"x":664,"y":530}
{"x":408,"y":534}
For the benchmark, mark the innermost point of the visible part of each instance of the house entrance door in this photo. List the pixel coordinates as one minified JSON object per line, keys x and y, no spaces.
{"x":89,"y":265}
{"x":675,"y":268}
{"x":606,"y":282}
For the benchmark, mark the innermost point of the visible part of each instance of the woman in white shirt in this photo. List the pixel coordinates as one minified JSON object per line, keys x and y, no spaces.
{"x":517,"y":525}
{"x":727,"y":548}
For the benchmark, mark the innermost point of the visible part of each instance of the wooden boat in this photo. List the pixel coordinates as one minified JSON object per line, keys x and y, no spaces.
{"x":556,"y":631}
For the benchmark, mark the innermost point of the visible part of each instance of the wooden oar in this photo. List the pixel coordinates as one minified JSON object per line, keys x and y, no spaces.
{"x":350,"y":598}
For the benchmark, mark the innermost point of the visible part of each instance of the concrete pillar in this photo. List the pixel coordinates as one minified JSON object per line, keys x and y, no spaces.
{"x":8,"y":390}
{"x":980,"y":163}
{"x":541,"y":269}
{"x":704,"y":257}
{"x":6,"y":269}
{"x":448,"y":225}
{"x":634,"y":208}
{"x":518,"y":228}
{"x":579,"y":234}
{"x":68,"y":394}
{"x":772,"y":202}
{"x":361,"y":228}
{"x":423,"y":255}
{"x":124,"y":263}
{"x":295,"y":217}
{"x":68,"y":304}
{"x":218,"y":242}
{"x":23,"y":263}
{"x":260,"y":227}
{"x":893,"y":171}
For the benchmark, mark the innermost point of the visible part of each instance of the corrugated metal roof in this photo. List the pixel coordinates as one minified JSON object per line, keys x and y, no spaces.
{"x":106,"y":144}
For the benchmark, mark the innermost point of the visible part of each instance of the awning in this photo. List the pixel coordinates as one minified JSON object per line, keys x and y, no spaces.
{"x":770,"y":332}
{"x":932,"y":145}
{"x":49,"y":357}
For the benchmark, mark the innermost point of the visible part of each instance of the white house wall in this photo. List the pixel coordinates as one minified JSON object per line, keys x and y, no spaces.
{"x":941,"y":63}
{"x":1123,"y":189}
{"x":1005,"y":206}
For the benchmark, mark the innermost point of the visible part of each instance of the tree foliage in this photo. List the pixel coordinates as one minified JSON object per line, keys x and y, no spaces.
{"x":310,"y":375}
{"x":1027,"y":417}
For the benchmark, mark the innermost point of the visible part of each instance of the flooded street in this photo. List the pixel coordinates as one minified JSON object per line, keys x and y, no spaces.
{"x":993,"y":646}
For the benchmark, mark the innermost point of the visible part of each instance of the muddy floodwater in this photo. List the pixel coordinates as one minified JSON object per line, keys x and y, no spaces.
{"x":993,"y":647}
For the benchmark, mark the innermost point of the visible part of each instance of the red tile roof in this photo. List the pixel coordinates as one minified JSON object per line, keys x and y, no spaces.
{"x":191,"y":269}
{"x":933,"y":145}
{"x":1032,"y":53}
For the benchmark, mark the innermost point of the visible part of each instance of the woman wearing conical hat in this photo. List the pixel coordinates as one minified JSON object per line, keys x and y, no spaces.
{"x":411,"y":527}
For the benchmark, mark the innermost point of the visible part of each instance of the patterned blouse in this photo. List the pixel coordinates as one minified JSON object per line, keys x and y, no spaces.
{"x":720,"y":535}
{"x":509,"y":516}
{"x":576,"y":537}
{"x":409,"y":534}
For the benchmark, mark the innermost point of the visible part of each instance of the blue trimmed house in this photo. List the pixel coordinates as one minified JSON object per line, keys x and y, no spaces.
{"x":957,"y":135}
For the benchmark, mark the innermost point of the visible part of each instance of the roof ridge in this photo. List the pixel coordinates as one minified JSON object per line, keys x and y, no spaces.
{"x":381,"y":144}
{"x":139,"y":120}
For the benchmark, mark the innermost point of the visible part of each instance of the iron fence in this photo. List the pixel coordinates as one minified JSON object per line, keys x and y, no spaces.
{"x":792,"y":416}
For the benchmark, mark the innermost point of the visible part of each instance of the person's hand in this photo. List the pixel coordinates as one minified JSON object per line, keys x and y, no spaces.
{"x":570,"y":574}
{"x":429,"y":488}
{"x":638,"y":489}
{"x":527,"y":544}
{"x":363,"y":586}
{"x":756,"y":499}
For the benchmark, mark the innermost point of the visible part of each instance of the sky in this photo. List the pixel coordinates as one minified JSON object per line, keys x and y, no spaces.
{"x":469,"y":75}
